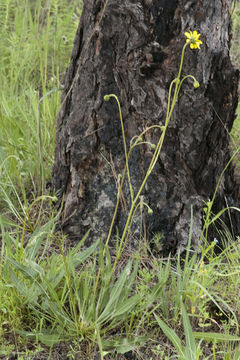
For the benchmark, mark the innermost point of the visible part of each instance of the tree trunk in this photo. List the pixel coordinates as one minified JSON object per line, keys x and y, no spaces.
{"x":132,"y":48}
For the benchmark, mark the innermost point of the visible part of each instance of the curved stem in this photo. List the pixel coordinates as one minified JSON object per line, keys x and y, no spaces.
{"x":185,"y":77}
{"x":124,"y":143}
{"x":169,"y":95}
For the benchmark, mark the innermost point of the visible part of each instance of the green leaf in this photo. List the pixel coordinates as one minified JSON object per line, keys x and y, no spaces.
{"x":211,"y":336}
{"x":172,"y":336}
{"x":37,"y":288}
{"x":115,"y":294}
{"x":57,"y":311}
{"x":49,"y":290}
{"x":123,"y":345}
{"x":6,"y":222}
{"x":154,"y":293}
{"x":37,"y":238}
{"x":80,"y":244}
{"x":191,"y":349}
{"x":79,"y":258}
{"x":26,"y":271}
{"x":221,"y":212}
{"x":100,"y":256}
{"x":126,"y":306}
{"x":108,"y":267}
{"x":44,"y":336}
{"x":215,"y":302}
{"x":237,"y":354}
{"x":19,"y":285}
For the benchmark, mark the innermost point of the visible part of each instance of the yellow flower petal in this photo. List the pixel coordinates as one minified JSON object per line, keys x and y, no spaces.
{"x":193,"y":39}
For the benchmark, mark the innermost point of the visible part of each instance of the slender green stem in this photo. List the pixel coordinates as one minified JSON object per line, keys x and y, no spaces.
{"x":156,"y":152}
{"x":122,"y":245}
{"x":117,"y":204}
{"x":183,"y":79}
{"x":135,"y":200}
{"x":124,"y":142}
{"x":169,"y":95}
{"x":113,"y":218}
{"x":181,"y":63}
{"x":123,"y":178}
{"x":209,"y":208}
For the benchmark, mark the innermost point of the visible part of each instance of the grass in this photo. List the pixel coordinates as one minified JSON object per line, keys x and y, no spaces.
{"x":36,"y":42}
{"x":77,"y":303}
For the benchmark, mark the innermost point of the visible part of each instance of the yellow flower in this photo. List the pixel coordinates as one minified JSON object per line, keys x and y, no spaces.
{"x":193,"y":39}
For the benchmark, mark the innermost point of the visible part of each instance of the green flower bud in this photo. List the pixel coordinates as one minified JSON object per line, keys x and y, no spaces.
{"x":150,"y":212}
{"x":106,"y":98}
{"x":196,"y":84}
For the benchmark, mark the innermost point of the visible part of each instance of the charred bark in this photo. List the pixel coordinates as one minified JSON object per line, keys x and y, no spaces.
{"x":135,"y":53}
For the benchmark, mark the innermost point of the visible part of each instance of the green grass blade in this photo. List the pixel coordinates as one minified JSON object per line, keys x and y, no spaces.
{"x":123,"y":345}
{"x":37,"y":239}
{"x":28,"y":272}
{"x":213,"y":299}
{"x":212,"y":336}
{"x":79,"y":258}
{"x":172,"y":336}
{"x":126,"y":306}
{"x":191,"y":349}
{"x":44,"y":336}
{"x":115,"y":294}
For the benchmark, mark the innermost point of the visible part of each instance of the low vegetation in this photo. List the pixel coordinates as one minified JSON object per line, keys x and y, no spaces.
{"x":58,"y":302}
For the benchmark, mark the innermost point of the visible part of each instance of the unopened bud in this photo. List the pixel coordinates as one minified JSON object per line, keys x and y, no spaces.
{"x":150,"y":212}
{"x":106,"y":98}
{"x":196,"y":84}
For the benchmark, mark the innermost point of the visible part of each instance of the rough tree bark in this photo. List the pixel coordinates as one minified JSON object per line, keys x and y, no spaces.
{"x":135,"y":53}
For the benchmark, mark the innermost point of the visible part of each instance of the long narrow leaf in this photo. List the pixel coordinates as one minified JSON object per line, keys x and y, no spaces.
{"x":123,"y":345}
{"x":172,"y":336}
{"x":80,"y":244}
{"x":79,"y":258}
{"x":37,"y":238}
{"x":213,"y":300}
{"x":212,"y":336}
{"x":115,"y":293}
{"x":44,"y":336}
{"x":126,"y":306}
{"x":28,"y":272}
{"x":191,"y":349}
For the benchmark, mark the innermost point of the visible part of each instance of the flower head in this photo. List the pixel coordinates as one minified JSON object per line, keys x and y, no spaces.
{"x":193,"y":39}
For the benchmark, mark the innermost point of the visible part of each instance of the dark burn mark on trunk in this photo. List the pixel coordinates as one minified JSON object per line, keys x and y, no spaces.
{"x":163,"y":17}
